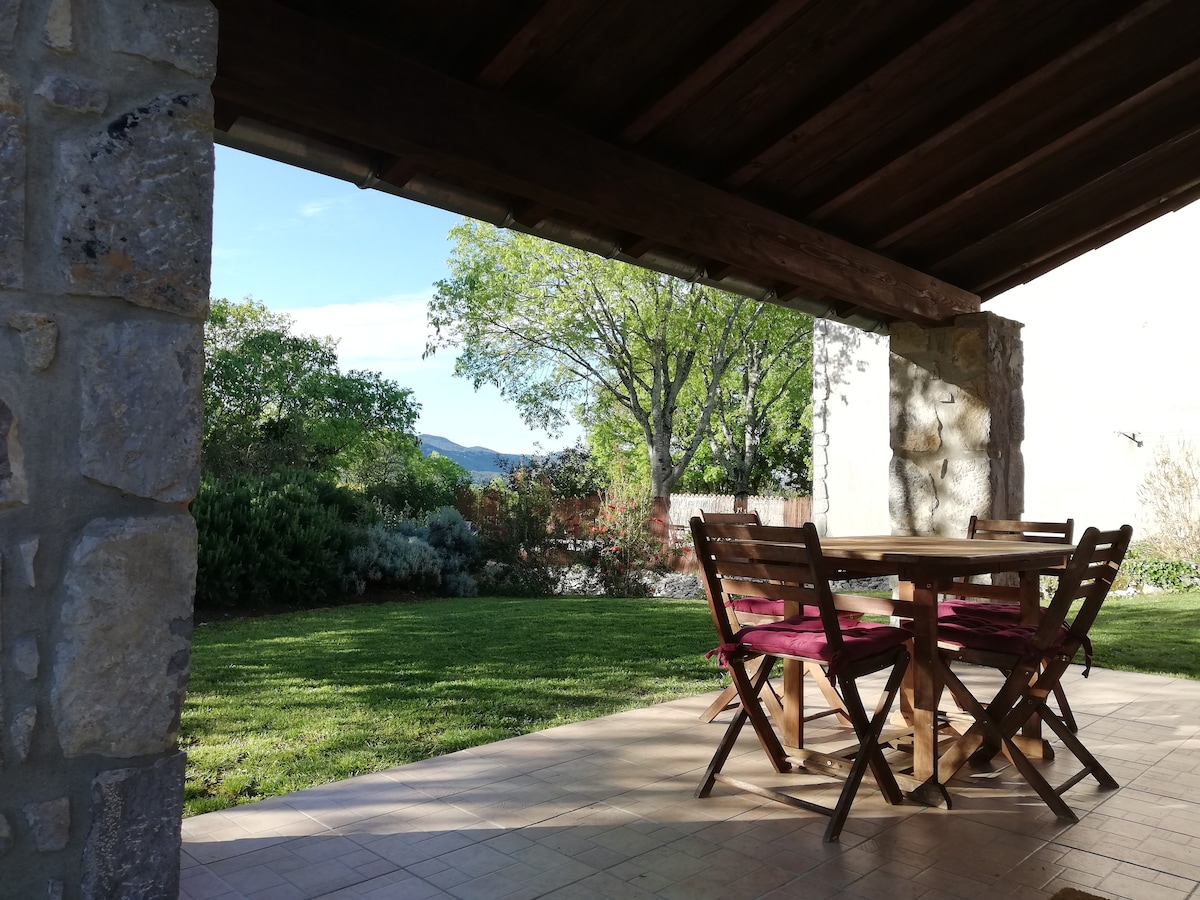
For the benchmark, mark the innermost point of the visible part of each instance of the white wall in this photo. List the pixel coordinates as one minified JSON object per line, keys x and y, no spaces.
{"x":851,"y":446}
{"x":1110,"y":348}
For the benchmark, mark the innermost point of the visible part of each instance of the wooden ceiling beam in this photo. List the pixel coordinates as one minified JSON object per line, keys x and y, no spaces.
{"x":396,"y":106}
{"x":900,"y":66}
{"x":1132,"y":220}
{"x":1086,"y":135}
{"x":399,"y":171}
{"x":538,"y":34}
{"x":702,"y":76}
{"x":1010,"y":96}
{"x":1108,"y":206}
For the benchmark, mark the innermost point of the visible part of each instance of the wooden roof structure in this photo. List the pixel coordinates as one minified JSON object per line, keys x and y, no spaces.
{"x":868,"y":160}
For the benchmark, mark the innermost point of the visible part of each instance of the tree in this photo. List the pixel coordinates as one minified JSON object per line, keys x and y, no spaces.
{"x":761,"y":432}
{"x":553,"y":327}
{"x":274,"y":399}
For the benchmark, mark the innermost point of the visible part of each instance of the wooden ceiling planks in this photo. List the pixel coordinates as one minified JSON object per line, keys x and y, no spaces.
{"x":894,"y":158}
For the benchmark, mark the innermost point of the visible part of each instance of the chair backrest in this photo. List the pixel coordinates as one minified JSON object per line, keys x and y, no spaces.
{"x":770,"y":561}
{"x":1088,"y":577}
{"x":733,"y":518}
{"x":1014,"y":530}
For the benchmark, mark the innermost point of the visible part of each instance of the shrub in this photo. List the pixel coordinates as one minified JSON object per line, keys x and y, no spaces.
{"x":421,"y":485}
{"x":520,"y":536}
{"x":391,"y":558}
{"x":278,"y":538}
{"x":626,"y":547}
{"x":449,"y":538}
{"x":1143,"y":566}
{"x":1171,"y":494}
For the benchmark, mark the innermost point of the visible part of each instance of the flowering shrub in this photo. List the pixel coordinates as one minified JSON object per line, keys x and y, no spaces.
{"x":626,"y":547}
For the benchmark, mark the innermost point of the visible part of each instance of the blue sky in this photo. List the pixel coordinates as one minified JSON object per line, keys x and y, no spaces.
{"x":358,"y":266}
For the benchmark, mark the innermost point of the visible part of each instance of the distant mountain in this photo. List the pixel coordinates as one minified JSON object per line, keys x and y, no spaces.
{"x":479,"y":461}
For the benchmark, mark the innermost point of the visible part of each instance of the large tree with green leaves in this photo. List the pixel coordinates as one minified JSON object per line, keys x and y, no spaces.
{"x":553,"y":327}
{"x":760,"y":435}
{"x":275,"y":399}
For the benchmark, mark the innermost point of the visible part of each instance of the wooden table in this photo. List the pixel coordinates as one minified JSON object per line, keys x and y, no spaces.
{"x":926,"y":567}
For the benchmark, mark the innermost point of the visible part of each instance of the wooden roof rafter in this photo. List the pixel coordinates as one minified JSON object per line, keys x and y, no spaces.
{"x":882,"y":159}
{"x":531,"y":156}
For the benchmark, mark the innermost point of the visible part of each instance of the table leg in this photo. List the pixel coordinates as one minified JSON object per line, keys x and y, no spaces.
{"x":926,"y":693}
{"x":1030,"y":739}
{"x":792,"y":728}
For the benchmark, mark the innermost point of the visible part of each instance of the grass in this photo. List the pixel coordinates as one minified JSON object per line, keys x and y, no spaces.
{"x":281,"y":703}
{"x":1154,"y":633}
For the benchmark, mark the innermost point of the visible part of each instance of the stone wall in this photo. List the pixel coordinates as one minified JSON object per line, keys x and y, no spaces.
{"x":106,"y":170}
{"x":957,"y":422}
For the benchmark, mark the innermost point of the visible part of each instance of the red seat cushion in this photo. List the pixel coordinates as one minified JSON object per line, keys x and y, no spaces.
{"x":761,"y":606}
{"x":991,"y":635}
{"x":804,"y":637}
{"x":1008,"y":612}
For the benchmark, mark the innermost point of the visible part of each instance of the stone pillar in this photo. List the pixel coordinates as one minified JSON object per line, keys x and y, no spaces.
{"x":957,"y":421}
{"x":106,"y":169}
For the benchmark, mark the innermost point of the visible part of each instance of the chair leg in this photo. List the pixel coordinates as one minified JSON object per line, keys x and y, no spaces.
{"x":869,"y":752}
{"x":1002,"y":733}
{"x":1091,"y":765}
{"x":748,"y":690}
{"x":726,"y":700}
{"x":828,"y":691}
{"x":1064,"y":708}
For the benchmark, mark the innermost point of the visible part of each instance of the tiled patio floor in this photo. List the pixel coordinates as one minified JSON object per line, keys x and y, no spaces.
{"x":604,"y":809}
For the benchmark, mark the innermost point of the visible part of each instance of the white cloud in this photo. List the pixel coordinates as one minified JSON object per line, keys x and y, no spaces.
{"x":386,"y":335}
{"x":317,"y":207}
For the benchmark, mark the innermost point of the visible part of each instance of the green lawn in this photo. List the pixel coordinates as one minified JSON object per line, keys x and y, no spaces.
{"x":285,"y":702}
{"x":1156,"y":633}
{"x":281,"y":703}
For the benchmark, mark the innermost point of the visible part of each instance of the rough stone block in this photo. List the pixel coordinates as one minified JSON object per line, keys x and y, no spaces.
{"x":132,"y":848}
{"x":49,"y":823}
{"x":59,"y":30}
{"x":21,"y":732}
{"x":971,"y":350}
{"x":182,"y":34}
{"x":6,"y":835}
{"x":967,"y":423}
{"x":70,"y":94}
{"x":25,"y":657}
{"x":8,"y":21}
{"x":14,"y":486}
{"x":29,"y":551}
{"x":121,"y":664}
{"x":909,"y":340}
{"x":134,"y":206}
{"x":912,"y":497}
{"x":39,"y":338}
{"x":141,"y":408}
{"x":965,"y":489}
{"x":12,"y":180}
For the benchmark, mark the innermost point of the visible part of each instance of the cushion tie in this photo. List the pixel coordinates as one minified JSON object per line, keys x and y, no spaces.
{"x":1086,"y":643}
{"x":722,"y":653}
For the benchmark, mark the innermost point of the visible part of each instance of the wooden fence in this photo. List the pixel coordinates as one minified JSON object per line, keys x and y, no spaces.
{"x":772,"y":510}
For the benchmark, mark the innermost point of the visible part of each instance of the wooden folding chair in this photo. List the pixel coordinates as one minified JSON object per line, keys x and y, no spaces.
{"x":1034,"y":658}
{"x":1001,"y":601}
{"x":756,"y":610}
{"x":786,"y":564}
